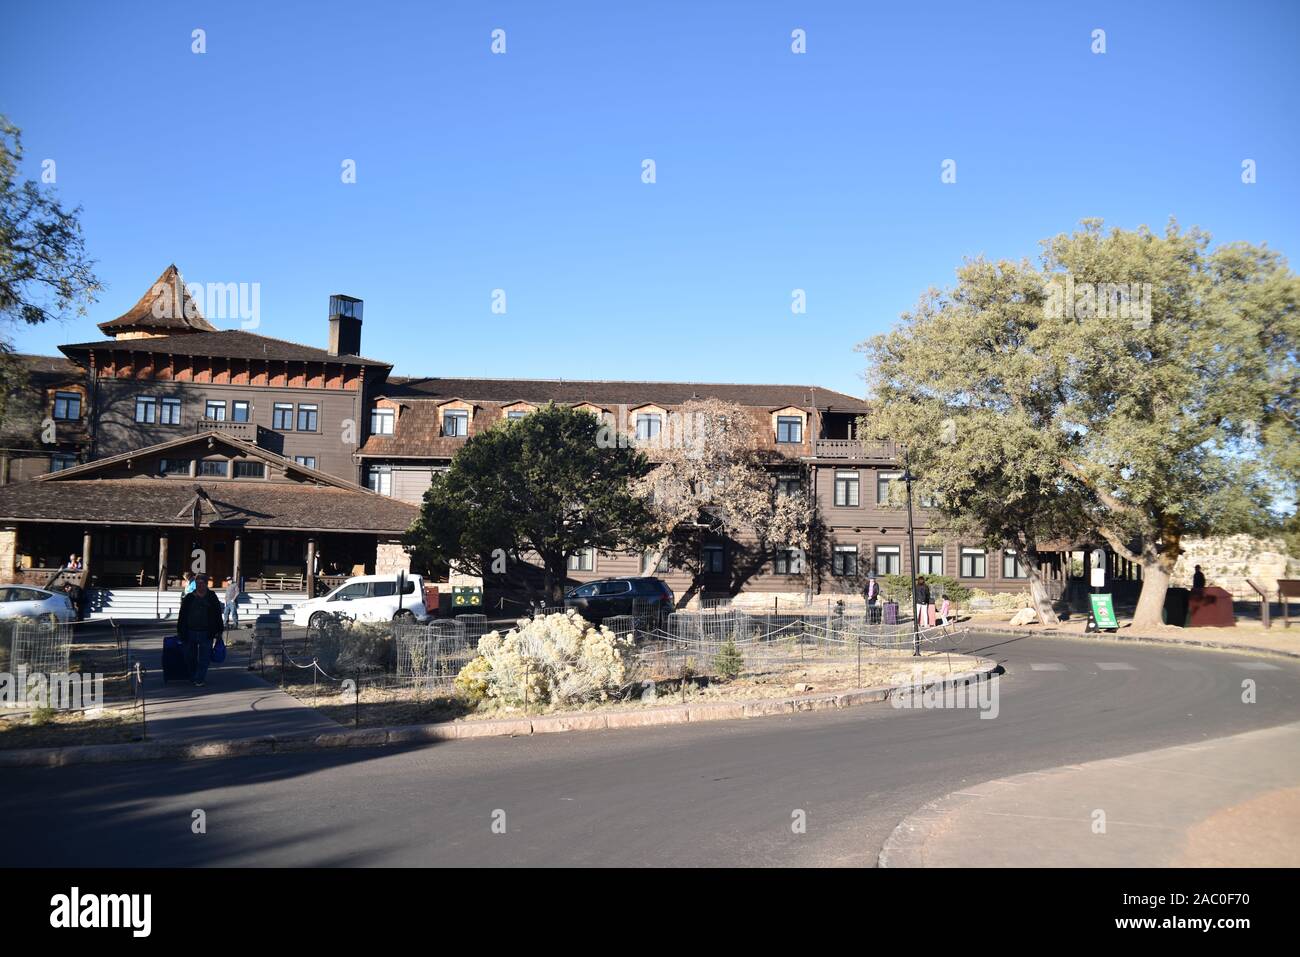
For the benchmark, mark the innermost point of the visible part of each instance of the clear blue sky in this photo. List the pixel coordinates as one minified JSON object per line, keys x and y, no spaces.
{"x":523,"y":172}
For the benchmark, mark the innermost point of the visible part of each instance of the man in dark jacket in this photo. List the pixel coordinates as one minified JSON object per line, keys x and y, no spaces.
{"x":922,"y":603}
{"x":197,"y":625}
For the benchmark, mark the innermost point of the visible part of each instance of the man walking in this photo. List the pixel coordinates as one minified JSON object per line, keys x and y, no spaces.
{"x":197,"y":626}
{"x":232,"y":603}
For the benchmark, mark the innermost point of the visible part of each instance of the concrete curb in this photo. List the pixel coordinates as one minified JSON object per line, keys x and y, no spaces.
{"x":454,"y":730}
{"x":1120,"y":636}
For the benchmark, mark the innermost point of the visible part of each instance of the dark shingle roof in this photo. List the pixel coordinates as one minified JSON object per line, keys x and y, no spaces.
{"x":167,"y":307}
{"x":157,"y":501}
{"x":226,"y":344}
{"x":619,"y":392}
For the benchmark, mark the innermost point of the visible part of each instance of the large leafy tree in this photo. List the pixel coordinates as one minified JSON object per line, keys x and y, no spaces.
{"x":540,"y":488}
{"x":712,"y":482}
{"x":44,"y":272}
{"x":1145,"y":381}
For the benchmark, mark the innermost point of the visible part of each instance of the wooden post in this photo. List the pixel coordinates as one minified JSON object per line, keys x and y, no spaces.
{"x":237,"y":559}
{"x":162,"y":562}
{"x":311,"y":568}
{"x":85,"y":555}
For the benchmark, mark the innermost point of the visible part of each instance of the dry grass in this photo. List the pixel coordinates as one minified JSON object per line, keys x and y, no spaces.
{"x":62,"y":729}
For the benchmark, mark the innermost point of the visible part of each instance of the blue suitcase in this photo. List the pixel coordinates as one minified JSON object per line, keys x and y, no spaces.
{"x":174,"y":665}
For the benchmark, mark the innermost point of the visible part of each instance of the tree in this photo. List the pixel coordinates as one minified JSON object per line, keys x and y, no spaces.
{"x":43,"y":269}
{"x":711,"y":481}
{"x":1147,"y":380}
{"x":538,"y":487}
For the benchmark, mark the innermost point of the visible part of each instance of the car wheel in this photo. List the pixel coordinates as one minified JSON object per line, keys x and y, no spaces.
{"x":318,"y":620}
{"x":403,"y":616}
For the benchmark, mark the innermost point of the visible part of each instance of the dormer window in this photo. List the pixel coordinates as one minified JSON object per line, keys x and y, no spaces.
{"x":648,"y":425}
{"x":789,"y":428}
{"x":455,"y":423}
{"x":382,"y":421}
{"x":67,"y":406}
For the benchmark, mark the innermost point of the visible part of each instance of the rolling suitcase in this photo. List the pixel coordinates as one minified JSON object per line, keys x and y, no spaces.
{"x":174,"y":665}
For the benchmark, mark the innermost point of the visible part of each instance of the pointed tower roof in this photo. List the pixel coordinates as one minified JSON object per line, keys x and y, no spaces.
{"x":167,"y":309}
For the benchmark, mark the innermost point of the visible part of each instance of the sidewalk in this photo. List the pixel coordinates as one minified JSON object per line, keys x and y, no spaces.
{"x":234,"y":703}
{"x":1231,"y":802}
{"x":1246,"y":636}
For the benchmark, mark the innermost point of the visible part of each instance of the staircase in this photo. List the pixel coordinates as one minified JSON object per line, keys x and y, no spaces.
{"x":146,"y":604}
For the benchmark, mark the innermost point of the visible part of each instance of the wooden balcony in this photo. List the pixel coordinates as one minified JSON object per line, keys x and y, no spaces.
{"x":240,"y":430}
{"x":855,"y":450}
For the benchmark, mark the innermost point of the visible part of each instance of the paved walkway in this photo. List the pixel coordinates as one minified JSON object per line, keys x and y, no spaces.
{"x":1229,"y":802}
{"x":234,"y":703}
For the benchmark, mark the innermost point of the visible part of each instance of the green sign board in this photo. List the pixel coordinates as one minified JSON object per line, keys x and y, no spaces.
{"x":466,"y":596}
{"x":1103,"y":612}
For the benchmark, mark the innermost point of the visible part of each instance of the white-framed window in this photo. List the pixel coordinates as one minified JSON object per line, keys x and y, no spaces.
{"x":883,"y":480}
{"x":307,"y":460}
{"x":250,"y":470}
{"x":455,"y":423}
{"x":282,"y":417}
{"x":170,"y":412}
{"x":847,"y":485}
{"x":146,"y":409}
{"x":889,"y":560}
{"x":67,"y":406}
{"x":514,"y":414}
{"x":929,"y":561}
{"x":974,"y":563}
{"x":789,"y":428}
{"x":62,"y":460}
{"x":715,"y":559}
{"x":647,"y":426}
{"x":659,"y":569}
{"x":1012,"y":566}
{"x":380,"y":479}
{"x":239,"y":410}
{"x":214,"y":410}
{"x":582,"y":561}
{"x":844,"y":561}
{"x":789,"y":484}
{"x":382,"y":421}
{"x":307,"y":417}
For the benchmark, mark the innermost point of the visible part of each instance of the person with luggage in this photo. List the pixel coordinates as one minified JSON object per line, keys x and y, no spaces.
{"x":198,"y":625}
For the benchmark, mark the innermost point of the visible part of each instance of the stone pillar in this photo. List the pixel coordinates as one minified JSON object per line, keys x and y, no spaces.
{"x":311,"y":568}
{"x":8,"y":554}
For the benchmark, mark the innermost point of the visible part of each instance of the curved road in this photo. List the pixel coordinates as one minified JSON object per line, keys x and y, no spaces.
{"x":720,"y":793}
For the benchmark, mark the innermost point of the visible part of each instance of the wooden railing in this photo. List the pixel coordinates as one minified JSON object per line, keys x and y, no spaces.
{"x":860,"y":449}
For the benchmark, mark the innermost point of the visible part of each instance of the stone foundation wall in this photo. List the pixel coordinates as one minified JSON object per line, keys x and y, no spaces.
{"x":8,"y":554}
{"x":1228,"y":561}
{"x":390,"y":558}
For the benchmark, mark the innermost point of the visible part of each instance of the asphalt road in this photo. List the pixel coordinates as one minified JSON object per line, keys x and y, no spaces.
{"x":721,"y":793}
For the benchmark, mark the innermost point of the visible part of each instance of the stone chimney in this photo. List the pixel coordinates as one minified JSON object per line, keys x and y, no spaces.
{"x":345,"y":326}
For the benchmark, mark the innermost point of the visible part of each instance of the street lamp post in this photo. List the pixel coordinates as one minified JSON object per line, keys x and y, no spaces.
{"x":911,"y":552}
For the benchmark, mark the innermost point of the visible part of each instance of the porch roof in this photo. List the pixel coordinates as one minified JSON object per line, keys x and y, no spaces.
{"x":233,"y":505}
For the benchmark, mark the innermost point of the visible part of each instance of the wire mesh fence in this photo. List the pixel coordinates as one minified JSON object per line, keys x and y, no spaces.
{"x":37,"y":647}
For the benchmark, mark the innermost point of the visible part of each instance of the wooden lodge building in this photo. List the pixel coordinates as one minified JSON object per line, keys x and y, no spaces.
{"x":294,"y":466}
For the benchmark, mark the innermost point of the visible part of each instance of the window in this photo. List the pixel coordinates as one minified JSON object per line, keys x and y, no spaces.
{"x":787,"y":561}
{"x":583,"y":561}
{"x":929,"y":561}
{"x":1012,"y":566}
{"x":515,"y":414}
{"x":307,"y":418}
{"x":171,"y":412}
{"x":174,"y":466}
{"x":882,"y":485}
{"x":146,"y":409}
{"x":67,"y":406}
{"x":647,"y":426}
{"x":455,"y":423}
{"x":214,"y":410}
{"x":789,"y":484}
{"x":216,"y":468}
{"x":307,"y":460}
{"x":888,"y":560}
{"x":62,"y":460}
{"x":714,"y":560}
{"x":239,"y":411}
{"x":387,"y":589}
{"x":973,"y":563}
{"x":382,"y":421}
{"x":789,"y":428}
{"x":250,"y":470}
{"x":660,"y":569}
{"x":846,"y":488}
{"x":380,"y":479}
{"x":353,"y":592}
{"x":844,"y":560}
{"x":282,"y":417}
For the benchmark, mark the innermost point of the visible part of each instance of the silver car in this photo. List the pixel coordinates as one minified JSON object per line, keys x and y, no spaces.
{"x":24,"y":601}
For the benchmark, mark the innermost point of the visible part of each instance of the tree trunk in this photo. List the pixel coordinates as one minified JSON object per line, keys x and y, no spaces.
{"x":1038,"y":591}
{"x":1156,"y":572}
{"x":691,"y":591}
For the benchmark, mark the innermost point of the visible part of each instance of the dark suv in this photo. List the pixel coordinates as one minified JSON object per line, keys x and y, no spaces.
{"x":608,"y":597}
